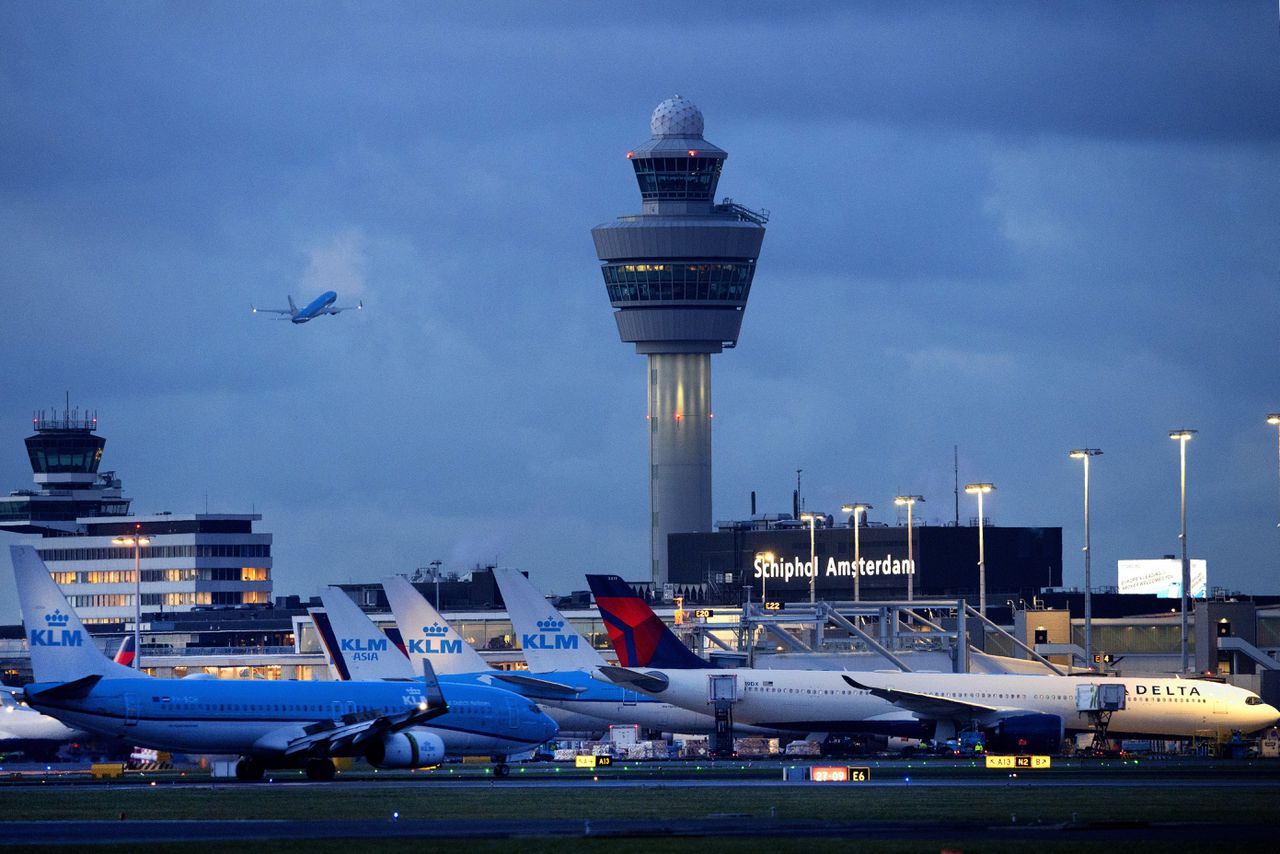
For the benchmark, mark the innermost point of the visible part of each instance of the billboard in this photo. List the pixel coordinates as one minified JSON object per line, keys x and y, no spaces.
{"x":1161,"y":577}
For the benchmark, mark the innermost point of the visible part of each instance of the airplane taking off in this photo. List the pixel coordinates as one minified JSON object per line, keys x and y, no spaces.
{"x":1016,"y":712}
{"x":270,"y":724}
{"x":318,"y":307}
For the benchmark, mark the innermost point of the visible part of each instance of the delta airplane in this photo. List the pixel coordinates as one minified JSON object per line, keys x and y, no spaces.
{"x":270,"y":724}
{"x":318,"y":307}
{"x":1016,"y":712}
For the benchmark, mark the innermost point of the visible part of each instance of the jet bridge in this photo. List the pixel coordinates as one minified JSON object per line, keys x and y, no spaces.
{"x":896,"y":631}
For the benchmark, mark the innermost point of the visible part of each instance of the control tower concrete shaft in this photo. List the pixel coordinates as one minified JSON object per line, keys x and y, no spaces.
{"x":678,"y":277}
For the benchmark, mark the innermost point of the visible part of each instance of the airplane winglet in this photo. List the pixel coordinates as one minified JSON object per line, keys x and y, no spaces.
{"x":436,"y":704}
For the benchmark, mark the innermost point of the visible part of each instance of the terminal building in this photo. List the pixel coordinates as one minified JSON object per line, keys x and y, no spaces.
{"x":772,"y":556}
{"x":79,"y":515}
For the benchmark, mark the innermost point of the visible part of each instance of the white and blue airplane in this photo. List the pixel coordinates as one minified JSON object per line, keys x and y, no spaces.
{"x":270,"y":724}
{"x":318,"y":307}
{"x":360,"y":650}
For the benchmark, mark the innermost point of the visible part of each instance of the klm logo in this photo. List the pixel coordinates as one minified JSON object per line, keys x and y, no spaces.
{"x":435,"y":642}
{"x":550,"y":636}
{"x":57,"y":633}
{"x":364,"y":649}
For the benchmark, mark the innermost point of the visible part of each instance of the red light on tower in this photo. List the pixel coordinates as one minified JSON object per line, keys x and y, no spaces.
{"x":630,"y":154}
{"x":693,"y":152}
{"x":678,"y":416}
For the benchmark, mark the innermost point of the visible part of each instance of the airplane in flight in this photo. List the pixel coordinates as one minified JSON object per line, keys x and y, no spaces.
{"x":1016,"y":712}
{"x":269,"y":724}
{"x":318,"y":307}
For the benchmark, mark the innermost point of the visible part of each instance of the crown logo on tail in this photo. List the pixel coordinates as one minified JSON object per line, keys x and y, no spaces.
{"x":57,"y":619}
{"x":551,"y":624}
{"x":435,"y":630}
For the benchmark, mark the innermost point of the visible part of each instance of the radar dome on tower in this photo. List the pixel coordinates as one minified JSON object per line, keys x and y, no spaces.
{"x":676,"y":117}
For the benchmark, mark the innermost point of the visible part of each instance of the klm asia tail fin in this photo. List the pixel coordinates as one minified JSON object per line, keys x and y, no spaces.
{"x":547,"y":639}
{"x":61,"y":649}
{"x":359,"y":650}
{"x":639,"y":637}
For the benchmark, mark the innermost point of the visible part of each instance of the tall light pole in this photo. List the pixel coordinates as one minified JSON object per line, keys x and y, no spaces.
{"x":857,"y":510}
{"x":137,"y":541}
{"x":1274,"y":418}
{"x":1182,"y":437}
{"x":765,"y":558}
{"x":1085,"y":454}
{"x":981,"y":489}
{"x":909,"y":501}
{"x":812,"y":519}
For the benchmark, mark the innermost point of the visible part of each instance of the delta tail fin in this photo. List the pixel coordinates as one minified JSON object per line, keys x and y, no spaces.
{"x":126,"y":652}
{"x":61,"y":649}
{"x":426,"y":634}
{"x":639,"y":637}
{"x":359,"y":649}
{"x":548,"y":641}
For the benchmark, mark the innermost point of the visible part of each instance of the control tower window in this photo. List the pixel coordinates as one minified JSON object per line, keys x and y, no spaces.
{"x":55,"y":454}
{"x":676,"y":178}
{"x":702,"y":281}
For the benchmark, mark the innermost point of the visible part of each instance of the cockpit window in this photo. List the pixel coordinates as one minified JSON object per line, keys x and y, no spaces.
{"x":1253,"y":701}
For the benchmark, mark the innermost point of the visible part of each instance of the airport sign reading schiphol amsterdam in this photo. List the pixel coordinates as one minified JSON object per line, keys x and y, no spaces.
{"x":787,"y":569}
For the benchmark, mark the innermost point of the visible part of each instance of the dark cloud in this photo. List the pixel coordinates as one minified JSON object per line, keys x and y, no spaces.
{"x":1013,"y":228}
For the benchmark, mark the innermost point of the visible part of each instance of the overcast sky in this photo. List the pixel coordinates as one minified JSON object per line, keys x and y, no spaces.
{"x":1012,"y":228}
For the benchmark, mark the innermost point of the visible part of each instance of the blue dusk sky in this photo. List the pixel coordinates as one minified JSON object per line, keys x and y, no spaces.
{"x":1015,"y":228}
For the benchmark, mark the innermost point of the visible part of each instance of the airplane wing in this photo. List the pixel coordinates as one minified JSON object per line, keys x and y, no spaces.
{"x":257,"y":310}
{"x":931,"y":705}
{"x":535,"y":688}
{"x":650,"y":683}
{"x":336,"y":737}
{"x":334,"y":309}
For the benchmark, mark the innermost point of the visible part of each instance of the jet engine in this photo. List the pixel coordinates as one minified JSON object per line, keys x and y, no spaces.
{"x":409,"y":748}
{"x":1033,"y":733}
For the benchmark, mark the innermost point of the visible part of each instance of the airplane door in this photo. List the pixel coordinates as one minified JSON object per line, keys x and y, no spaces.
{"x":513,"y":713}
{"x":1219,"y":707}
{"x":130,"y":710}
{"x":630,"y":698}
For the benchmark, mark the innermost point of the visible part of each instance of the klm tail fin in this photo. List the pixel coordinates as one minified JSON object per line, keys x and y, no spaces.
{"x":61,"y":650}
{"x":549,"y":643}
{"x":427,"y":635}
{"x":358,"y":648}
{"x":638,"y":635}
{"x":293,"y":309}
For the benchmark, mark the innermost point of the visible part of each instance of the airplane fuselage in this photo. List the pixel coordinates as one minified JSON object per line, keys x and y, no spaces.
{"x":823,"y":701}
{"x":261,"y":718}
{"x":316,"y":307}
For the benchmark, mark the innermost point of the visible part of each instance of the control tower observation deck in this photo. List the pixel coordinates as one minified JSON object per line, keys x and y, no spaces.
{"x":678,"y":276}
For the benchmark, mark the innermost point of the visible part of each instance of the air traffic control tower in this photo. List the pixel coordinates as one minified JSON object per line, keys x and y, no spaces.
{"x":678,"y":277}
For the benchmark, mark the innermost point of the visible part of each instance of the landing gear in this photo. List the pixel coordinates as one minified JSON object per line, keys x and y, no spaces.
{"x":249,"y":770}
{"x":502,"y":769}
{"x":320,"y":769}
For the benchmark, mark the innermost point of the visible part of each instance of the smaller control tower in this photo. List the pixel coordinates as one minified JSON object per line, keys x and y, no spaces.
{"x":65,"y":454}
{"x":678,"y":277}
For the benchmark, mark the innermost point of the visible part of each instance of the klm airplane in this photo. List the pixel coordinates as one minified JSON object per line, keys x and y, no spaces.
{"x":556,"y":654}
{"x":359,"y":650}
{"x":318,"y":307}
{"x":269,"y":724}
